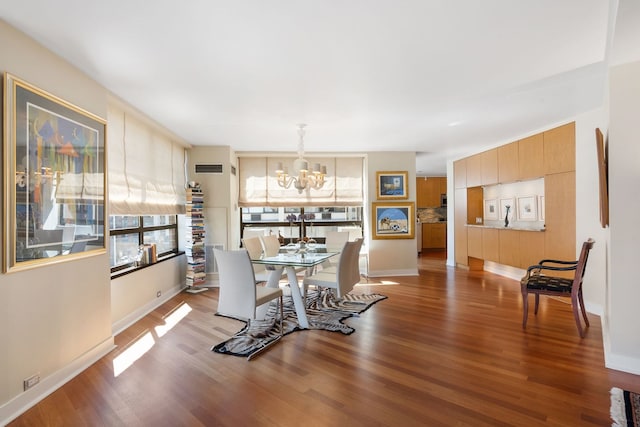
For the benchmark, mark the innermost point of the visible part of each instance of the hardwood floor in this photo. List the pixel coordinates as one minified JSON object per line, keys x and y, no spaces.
{"x":446,"y":348}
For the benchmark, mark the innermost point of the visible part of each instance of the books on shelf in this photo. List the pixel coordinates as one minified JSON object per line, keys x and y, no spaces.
{"x":196,"y":275}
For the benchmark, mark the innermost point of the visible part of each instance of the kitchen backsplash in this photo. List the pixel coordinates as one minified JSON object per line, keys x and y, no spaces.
{"x":432,"y":214}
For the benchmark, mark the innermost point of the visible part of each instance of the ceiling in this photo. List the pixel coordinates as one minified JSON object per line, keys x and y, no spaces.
{"x":442,"y":78}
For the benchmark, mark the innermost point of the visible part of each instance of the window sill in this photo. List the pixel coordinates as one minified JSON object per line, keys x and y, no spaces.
{"x":127,"y":270}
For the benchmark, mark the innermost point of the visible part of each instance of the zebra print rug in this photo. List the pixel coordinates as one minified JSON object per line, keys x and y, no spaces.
{"x":323,"y":311}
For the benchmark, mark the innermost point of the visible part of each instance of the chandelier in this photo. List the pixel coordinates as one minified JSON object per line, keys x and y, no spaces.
{"x":305,"y":178}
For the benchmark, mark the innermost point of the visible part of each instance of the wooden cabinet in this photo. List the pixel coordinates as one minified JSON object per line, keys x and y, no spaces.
{"x":460,"y":226}
{"x":460,"y":174}
{"x":428,"y":191}
{"x":510,"y":247}
{"x":491,"y":244}
{"x":421,"y":192}
{"x":508,"y":163}
{"x":474,"y":242}
{"x":531,"y":248}
{"x":474,"y":170}
{"x":531,"y":157}
{"x":489,"y":167}
{"x":434,"y":235}
{"x":560,"y":149}
{"x":482,"y":168}
{"x":560,"y":214}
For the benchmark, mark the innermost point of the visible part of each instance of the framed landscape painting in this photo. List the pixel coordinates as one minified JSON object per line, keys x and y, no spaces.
{"x":393,"y":220}
{"x":392,"y":185}
{"x":54,"y":165}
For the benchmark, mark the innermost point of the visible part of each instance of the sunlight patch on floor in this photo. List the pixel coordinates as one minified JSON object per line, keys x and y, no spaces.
{"x":144,"y":342}
{"x":133,"y":352}
{"x":172,"y":319}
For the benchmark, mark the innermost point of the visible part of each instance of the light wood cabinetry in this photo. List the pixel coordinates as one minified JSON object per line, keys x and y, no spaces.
{"x":460,"y":227}
{"x":474,"y":170}
{"x":474,"y":242}
{"x":491,"y":244}
{"x":531,"y":157}
{"x":508,"y":163}
{"x":560,"y":149}
{"x":428,"y":191}
{"x":550,"y":154}
{"x":532,"y":248}
{"x":489,"y":167}
{"x":434,"y":235}
{"x":560,"y":213}
{"x":474,"y":205}
{"x":510,"y":247}
{"x":460,"y":174}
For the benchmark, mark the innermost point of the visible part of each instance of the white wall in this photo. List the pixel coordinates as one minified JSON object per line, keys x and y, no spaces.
{"x":391,"y":257}
{"x":135,"y":294}
{"x":55,"y":316}
{"x":623,"y":294}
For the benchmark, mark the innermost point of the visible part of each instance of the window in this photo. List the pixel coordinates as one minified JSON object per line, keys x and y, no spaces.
{"x":129,"y":232}
{"x":293,"y":223}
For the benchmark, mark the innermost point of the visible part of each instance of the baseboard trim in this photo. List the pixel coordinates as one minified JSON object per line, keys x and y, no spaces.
{"x":139,"y":313}
{"x":384,"y":273}
{"x":22,"y":402}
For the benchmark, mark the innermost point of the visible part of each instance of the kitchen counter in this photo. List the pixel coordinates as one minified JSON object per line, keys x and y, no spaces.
{"x":497,"y":227}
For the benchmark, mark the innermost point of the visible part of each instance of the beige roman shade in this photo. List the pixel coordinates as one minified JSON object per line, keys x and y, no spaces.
{"x":146,"y":168}
{"x":259,"y":187}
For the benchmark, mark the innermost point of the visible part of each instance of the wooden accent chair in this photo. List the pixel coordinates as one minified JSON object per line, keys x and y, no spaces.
{"x":537,"y":282}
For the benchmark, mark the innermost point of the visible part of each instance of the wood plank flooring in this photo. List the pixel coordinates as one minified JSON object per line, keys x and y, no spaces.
{"x":446,"y":348}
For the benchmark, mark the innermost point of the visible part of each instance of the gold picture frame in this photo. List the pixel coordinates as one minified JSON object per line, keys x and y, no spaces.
{"x":54,"y":180}
{"x":393,"y":220}
{"x":392,"y":185}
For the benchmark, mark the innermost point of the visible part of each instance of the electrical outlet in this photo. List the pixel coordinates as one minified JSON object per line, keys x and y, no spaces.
{"x":158,"y":294}
{"x":31,"y":381}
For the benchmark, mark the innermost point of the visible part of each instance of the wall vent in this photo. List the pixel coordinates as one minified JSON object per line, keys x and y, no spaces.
{"x":210,"y":265}
{"x":233,"y":170}
{"x":209,"y":168}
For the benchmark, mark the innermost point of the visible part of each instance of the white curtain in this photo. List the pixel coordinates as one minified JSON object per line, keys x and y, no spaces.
{"x":259,"y":186}
{"x":146,"y":168}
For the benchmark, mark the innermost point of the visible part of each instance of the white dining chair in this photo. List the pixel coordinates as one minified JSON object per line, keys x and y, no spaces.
{"x":270,"y":244}
{"x":334,"y":242}
{"x":345,"y":277}
{"x":239,"y":295}
{"x":253,"y":245}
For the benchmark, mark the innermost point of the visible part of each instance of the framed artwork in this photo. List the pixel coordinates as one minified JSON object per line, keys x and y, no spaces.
{"x":393,"y":220}
{"x":491,"y":209}
{"x":392,"y":185}
{"x":527,"y":208}
{"x":507,"y":206}
{"x":541,"y":208}
{"x":603,"y":178}
{"x":54,"y":165}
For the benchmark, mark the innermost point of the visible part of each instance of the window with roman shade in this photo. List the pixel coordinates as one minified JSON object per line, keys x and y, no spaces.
{"x":146,"y":168}
{"x":259,"y":187}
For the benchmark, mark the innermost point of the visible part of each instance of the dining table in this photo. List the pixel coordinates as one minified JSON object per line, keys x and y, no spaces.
{"x":292,"y":262}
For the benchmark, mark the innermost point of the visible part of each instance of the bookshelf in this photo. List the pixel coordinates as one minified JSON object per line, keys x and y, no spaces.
{"x":194,"y":248}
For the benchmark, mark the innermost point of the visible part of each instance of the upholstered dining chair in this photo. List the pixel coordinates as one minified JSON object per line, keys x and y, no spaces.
{"x":239,"y":295}
{"x":334,"y":242}
{"x":540,"y":280}
{"x":345,"y":277}
{"x":270,"y":244}
{"x":253,"y":245}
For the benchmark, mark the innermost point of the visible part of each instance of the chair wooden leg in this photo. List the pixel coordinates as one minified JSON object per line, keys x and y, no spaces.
{"x":535,"y":310}
{"x":584,"y":311}
{"x":525,"y":308}
{"x":576,"y":315}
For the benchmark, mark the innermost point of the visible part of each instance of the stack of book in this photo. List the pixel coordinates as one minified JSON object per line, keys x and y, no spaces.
{"x":196,"y":275}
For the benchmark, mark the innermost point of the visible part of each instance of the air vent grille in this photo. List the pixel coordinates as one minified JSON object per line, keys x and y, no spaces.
{"x":209,"y":168}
